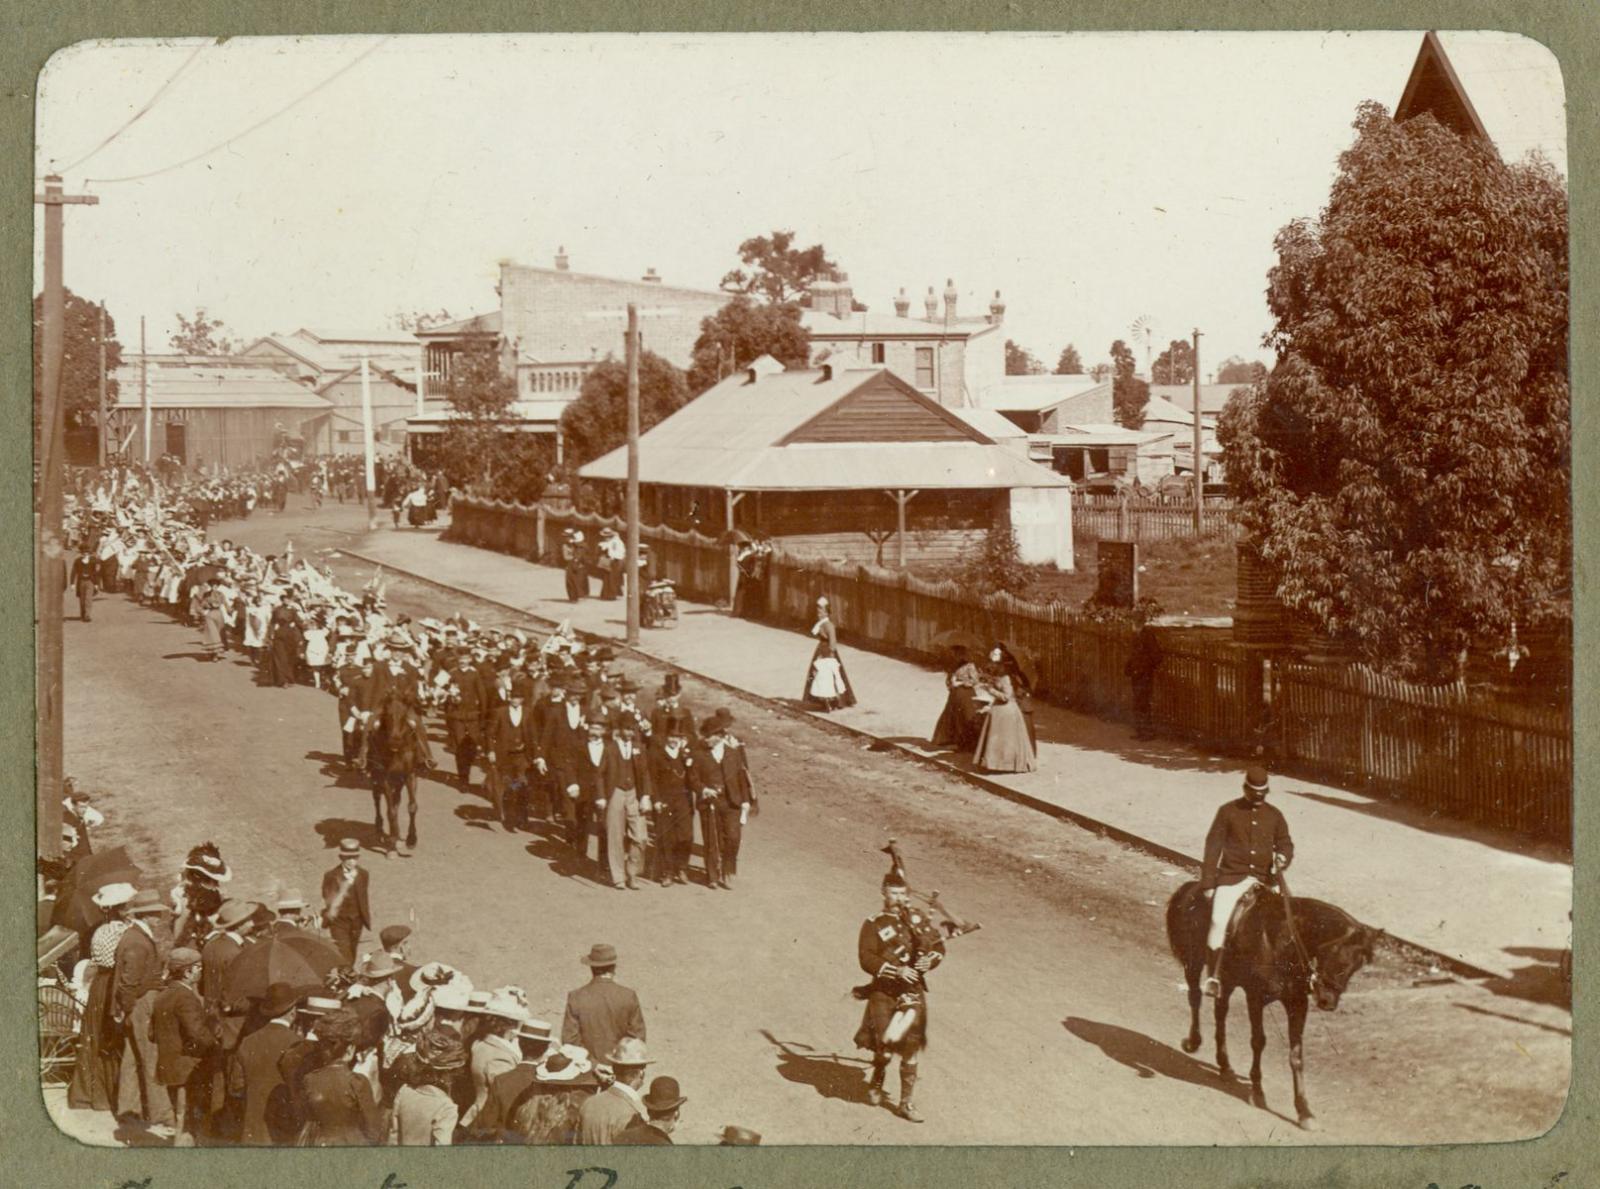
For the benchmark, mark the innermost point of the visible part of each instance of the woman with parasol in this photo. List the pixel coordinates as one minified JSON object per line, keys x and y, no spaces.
{"x":1003,"y":742}
{"x":827,"y":685}
{"x":962,"y":719}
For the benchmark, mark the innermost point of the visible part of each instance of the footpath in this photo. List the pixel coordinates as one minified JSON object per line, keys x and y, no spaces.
{"x":1486,"y":902}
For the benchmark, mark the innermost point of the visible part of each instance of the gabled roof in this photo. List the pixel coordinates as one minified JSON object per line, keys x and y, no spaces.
{"x":192,"y":386}
{"x":488,"y":323}
{"x":1213,"y":397}
{"x":1501,"y":87}
{"x":359,"y":338}
{"x":1158,"y":410}
{"x":873,"y":325}
{"x":1032,"y":394}
{"x":814,"y":430}
{"x":377,"y":374}
{"x":990,"y":423}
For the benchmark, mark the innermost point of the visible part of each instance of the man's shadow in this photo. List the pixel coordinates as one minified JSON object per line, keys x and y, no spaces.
{"x":830,"y":1074}
{"x":1150,"y":1058}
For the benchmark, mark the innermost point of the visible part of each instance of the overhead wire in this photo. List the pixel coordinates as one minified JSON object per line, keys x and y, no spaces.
{"x":138,"y":115}
{"x":261,"y":123}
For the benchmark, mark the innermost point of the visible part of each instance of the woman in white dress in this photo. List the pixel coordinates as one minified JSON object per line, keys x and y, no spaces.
{"x":827,"y":685}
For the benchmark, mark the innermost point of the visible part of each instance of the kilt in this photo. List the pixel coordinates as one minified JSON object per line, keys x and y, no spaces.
{"x":875,"y":1019}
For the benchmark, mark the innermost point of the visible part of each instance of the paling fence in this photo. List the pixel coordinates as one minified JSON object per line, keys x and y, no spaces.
{"x":1455,"y":751}
{"x":1135,"y":518}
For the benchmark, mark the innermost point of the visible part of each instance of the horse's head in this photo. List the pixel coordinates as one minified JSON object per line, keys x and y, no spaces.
{"x":1337,"y":961}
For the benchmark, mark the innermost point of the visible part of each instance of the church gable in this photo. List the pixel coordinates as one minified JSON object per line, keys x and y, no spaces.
{"x":884,"y":409}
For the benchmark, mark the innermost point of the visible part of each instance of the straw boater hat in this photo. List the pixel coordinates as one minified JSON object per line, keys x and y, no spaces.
{"x":290,"y":901}
{"x":349,"y":848}
{"x":113,"y":895}
{"x":531,"y":1029}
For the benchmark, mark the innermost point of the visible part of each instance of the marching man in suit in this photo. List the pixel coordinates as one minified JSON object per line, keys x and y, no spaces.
{"x":464,"y":714}
{"x":672,"y":808}
{"x":562,"y":738}
{"x":513,"y":750}
{"x":625,"y":805}
{"x":345,"y":911}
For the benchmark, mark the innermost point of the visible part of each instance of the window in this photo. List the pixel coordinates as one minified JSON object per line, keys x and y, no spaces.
{"x":877,"y":352}
{"x":346,"y":435}
{"x":925,"y":367}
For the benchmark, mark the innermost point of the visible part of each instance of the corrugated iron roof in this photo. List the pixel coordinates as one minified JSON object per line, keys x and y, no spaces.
{"x":1030,"y":394}
{"x":1158,"y":409}
{"x":488,"y":323}
{"x":1102,"y":435}
{"x":370,"y":338}
{"x":199,"y":387}
{"x":872,"y":324}
{"x":726,"y":438}
{"x":990,"y":423}
{"x":1213,"y":397}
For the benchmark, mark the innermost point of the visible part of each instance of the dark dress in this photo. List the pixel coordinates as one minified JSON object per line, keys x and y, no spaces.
{"x":962,"y":719}
{"x":94,"y":1077}
{"x":827,"y":649}
{"x":286,"y":647}
{"x":341,"y":1111}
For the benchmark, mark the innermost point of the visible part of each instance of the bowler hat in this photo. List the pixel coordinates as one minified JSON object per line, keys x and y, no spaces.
{"x":280,"y":997}
{"x":600,"y":955}
{"x":737,"y":1137}
{"x":663,"y":1095}
{"x":393,"y":935}
{"x":629,"y":1051}
{"x":627,"y":686}
{"x":1255,"y":778}
{"x":349,"y":848}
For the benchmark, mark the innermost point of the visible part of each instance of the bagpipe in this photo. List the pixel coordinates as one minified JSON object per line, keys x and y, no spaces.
{"x":952,"y":925}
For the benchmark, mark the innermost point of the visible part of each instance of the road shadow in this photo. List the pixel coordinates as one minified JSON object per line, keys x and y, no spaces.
{"x":1419,"y":819}
{"x":335,"y":829}
{"x":1500,"y":1015}
{"x":479,"y":817}
{"x":1539,"y":982}
{"x":831,"y":1075}
{"x":551,"y":849}
{"x":134,"y":1134}
{"x":1149,"y":1058}
{"x":331,"y":765}
{"x":186,"y":656}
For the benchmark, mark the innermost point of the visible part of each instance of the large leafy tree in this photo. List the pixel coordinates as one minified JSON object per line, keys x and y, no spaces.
{"x":80,"y":362}
{"x":740,"y":332}
{"x":597,"y":422}
{"x":1021,"y":362}
{"x":201,"y":335}
{"x":481,"y":450}
{"x":1175,"y":365}
{"x":1129,"y":394}
{"x":1236,"y":370}
{"x":1069,"y":364}
{"x":1406,"y":463}
{"x":777,"y":271}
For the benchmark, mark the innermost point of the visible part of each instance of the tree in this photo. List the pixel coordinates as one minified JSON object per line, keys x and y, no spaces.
{"x":481,"y":448}
{"x":740,"y":332}
{"x":414,"y":320}
{"x":1129,"y":394}
{"x":997,"y":564}
{"x":201,"y":335}
{"x":1406,"y":464}
{"x":597,"y":422}
{"x":1021,"y":362}
{"x":80,"y":358}
{"x":1175,"y":365}
{"x":1235,"y":370}
{"x":779,"y":271}
{"x":1100,"y":372}
{"x":1069,"y":364}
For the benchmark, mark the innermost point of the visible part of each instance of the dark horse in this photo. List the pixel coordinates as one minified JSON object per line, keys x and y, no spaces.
{"x":1261,"y":957}
{"x":397,"y":749}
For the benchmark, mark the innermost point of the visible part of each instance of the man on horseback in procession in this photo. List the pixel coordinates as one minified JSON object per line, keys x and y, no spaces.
{"x":1247,"y":846}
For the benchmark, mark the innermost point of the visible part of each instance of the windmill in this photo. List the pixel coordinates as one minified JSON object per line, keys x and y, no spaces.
{"x":1141,"y":328}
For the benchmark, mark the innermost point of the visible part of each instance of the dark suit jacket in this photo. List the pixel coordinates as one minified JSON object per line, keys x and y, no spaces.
{"x":642,"y":1132}
{"x":706,"y":771}
{"x":561,"y":745}
{"x":736,"y":776}
{"x":340,"y":1103}
{"x":183,"y":1031}
{"x":137,"y":969}
{"x":506,"y":737}
{"x":599,"y":1014}
{"x":469,"y":708}
{"x":355,"y":907}
{"x":494,"y":1119}
{"x":1242,"y":840}
{"x":215,"y":957}
{"x":669,"y":777}
{"x":602,"y":781}
{"x":257,"y":1069}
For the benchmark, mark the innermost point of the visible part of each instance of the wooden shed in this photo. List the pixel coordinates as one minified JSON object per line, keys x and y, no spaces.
{"x":845,"y":463}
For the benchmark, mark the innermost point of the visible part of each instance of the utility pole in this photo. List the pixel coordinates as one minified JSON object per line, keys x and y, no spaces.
{"x":1199,"y":462}
{"x":50,"y":550}
{"x":366,"y":442}
{"x":632,"y":501}
{"x":100,"y":438}
{"x":144,"y":390}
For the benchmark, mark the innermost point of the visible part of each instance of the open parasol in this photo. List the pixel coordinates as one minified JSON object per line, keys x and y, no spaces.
{"x":1027,"y":663}
{"x":75,"y":909}
{"x":294,"y":956}
{"x":957,"y":638}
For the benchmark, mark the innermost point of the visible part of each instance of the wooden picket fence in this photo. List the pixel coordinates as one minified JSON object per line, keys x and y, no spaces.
{"x":1128,"y":517}
{"x":1450,"y":750}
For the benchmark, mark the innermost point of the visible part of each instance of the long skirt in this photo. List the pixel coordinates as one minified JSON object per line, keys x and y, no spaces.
{"x":960,"y":723}
{"x":94,"y":1079}
{"x":830,"y":686}
{"x":1003,"y":744}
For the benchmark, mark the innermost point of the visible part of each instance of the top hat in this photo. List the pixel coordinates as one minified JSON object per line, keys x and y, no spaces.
{"x":280,"y":997}
{"x":663,"y":1095}
{"x":393,"y":935}
{"x":736,"y":1137}
{"x":113,"y":895}
{"x":1256,"y":779}
{"x":600,"y":955}
{"x":629,"y":1051}
{"x":349,"y":848}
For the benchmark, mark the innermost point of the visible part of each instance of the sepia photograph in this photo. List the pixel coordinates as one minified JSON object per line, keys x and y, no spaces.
{"x":785,"y":589}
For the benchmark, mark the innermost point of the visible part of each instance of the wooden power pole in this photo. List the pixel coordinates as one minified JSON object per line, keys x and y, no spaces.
{"x":50,"y":550}
{"x":1199,"y":462}
{"x":632,"y":499}
{"x":100,"y":438}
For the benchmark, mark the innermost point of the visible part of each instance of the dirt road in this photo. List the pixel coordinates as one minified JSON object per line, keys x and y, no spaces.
{"x":1057,"y":1023}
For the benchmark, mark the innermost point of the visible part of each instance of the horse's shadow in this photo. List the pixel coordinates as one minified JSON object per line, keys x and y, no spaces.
{"x":1149,"y":1058}
{"x":830,"y":1074}
{"x":332,"y":767}
{"x":481,"y":817}
{"x":334,"y":829}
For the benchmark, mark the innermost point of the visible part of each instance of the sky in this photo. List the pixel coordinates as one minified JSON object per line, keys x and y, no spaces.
{"x":1094,"y":179}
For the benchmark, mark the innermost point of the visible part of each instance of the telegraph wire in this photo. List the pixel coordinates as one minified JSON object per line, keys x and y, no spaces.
{"x":133,"y":119}
{"x":261,"y":123}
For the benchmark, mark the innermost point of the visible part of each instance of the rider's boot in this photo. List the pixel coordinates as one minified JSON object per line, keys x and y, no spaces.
{"x":908,"y":1083}
{"x":1210,"y":985}
{"x":880,"y":1068}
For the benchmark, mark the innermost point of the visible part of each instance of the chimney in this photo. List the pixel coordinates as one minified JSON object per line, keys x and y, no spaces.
{"x":997,"y":309}
{"x":931,"y":304}
{"x":561,"y":258}
{"x":650,"y":277}
{"x":950,"y":296}
{"x":902,"y":304}
{"x":832,"y":295}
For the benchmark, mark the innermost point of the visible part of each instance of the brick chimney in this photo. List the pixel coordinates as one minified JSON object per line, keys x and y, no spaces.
{"x":902,"y":303}
{"x":832,"y":295}
{"x":950,"y":296}
{"x":562,"y":263}
{"x":651,"y":277}
{"x":997,"y":309}
{"x":931,"y":304}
